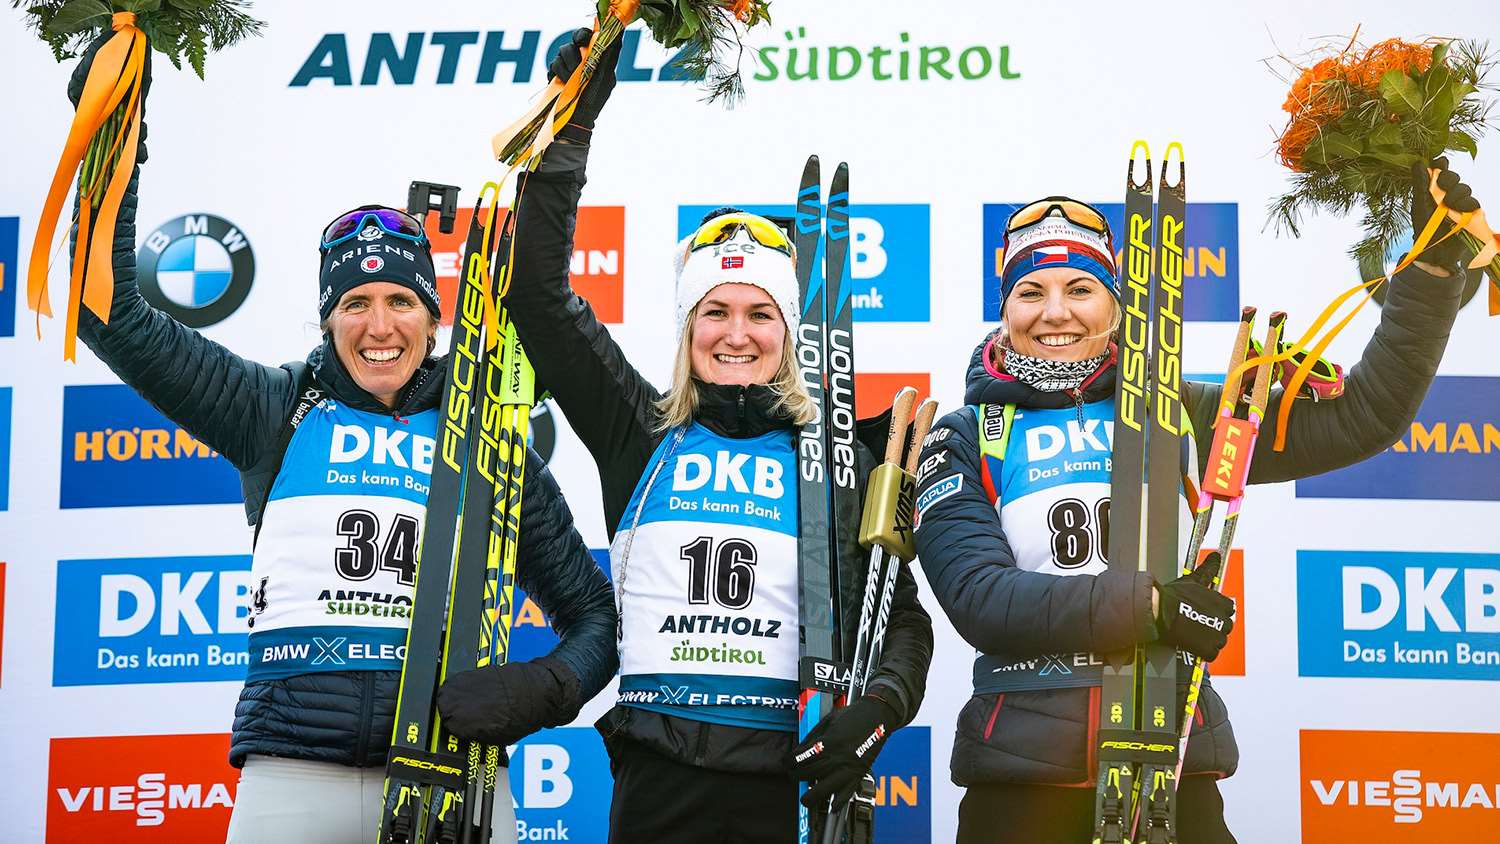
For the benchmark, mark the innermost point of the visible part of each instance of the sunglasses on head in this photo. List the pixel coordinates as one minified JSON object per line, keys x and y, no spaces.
{"x":1075,"y":212}
{"x":723,"y":228}
{"x":352,"y":224}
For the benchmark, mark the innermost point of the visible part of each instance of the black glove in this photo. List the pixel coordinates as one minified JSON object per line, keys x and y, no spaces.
{"x":1457,"y":196}
{"x":502,"y":704}
{"x":841,"y":749}
{"x":597,"y":92}
{"x":1192,"y":615}
{"x":81,"y":74}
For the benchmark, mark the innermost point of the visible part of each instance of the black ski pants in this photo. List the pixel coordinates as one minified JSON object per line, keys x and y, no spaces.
{"x":661,"y":801}
{"x":1003,"y":813}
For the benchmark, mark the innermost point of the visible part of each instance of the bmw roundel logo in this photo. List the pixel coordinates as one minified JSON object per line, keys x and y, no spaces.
{"x":198,"y":268}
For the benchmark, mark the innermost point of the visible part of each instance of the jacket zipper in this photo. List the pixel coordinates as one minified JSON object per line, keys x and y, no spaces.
{"x":366,"y":707}
{"x":990,"y":727}
{"x":1078,"y":402}
{"x":702,"y":752}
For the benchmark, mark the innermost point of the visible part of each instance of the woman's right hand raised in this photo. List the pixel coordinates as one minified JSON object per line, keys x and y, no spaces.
{"x":600,"y":85}
{"x":81,"y":75}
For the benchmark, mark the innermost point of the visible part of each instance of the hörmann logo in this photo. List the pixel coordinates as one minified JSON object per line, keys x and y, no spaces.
{"x":151,"y":620}
{"x":792,"y":58}
{"x":1450,"y":452}
{"x":890,"y":264}
{"x":140,"y":788}
{"x":118,"y":451}
{"x":1210,"y":258}
{"x":597,"y":268}
{"x":1399,"y":787}
{"x":198,"y":268}
{"x":1398,"y":614}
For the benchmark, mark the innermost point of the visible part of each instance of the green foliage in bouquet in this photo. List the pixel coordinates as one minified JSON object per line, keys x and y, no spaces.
{"x":1361,"y":119}
{"x":179,"y":29}
{"x":707,"y":27}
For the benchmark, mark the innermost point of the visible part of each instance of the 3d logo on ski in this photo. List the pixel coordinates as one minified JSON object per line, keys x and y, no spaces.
{"x":1451,"y":451}
{"x":10,"y":274}
{"x":118,"y":451}
{"x":151,"y":620}
{"x":140,"y":788}
{"x":597,"y":269}
{"x":5,"y":426}
{"x":1211,"y":257}
{"x":512,"y":56}
{"x":198,"y":268}
{"x":1412,"y":614}
{"x":1396,"y":787}
{"x":890,"y":249}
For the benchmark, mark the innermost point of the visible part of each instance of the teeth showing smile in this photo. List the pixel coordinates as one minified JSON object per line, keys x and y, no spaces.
{"x":734,"y":358}
{"x":380,"y":355}
{"x":1059,"y":339}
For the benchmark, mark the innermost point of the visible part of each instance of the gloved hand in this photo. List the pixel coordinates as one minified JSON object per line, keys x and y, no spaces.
{"x":841,"y":749}
{"x":1458,"y":197}
{"x":502,"y":704}
{"x":1192,"y":615}
{"x":597,"y":92}
{"x":81,"y":74}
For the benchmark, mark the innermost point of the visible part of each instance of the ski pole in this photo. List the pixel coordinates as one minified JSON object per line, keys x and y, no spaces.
{"x":1228,"y":401}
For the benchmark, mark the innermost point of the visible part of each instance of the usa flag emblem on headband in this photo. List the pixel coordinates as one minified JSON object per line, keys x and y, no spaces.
{"x":1049,"y":255}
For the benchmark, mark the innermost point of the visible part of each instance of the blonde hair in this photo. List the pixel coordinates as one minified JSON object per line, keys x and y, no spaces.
{"x":680,"y":404}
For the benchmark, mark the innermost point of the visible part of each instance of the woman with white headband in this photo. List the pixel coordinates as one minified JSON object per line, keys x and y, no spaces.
{"x":700,"y":494}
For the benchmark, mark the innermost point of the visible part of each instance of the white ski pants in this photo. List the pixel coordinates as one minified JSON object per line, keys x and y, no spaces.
{"x":294,"y":801}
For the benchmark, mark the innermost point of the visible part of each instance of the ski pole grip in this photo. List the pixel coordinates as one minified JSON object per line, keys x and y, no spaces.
{"x":1230,"y":398}
{"x":901,"y":406}
{"x":1262,"y":390}
{"x":925,"y":416}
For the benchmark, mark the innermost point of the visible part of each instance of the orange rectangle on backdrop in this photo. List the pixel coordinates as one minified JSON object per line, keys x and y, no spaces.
{"x":140,"y":788}
{"x":597,"y":268}
{"x":1231,"y":661}
{"x":873,"y":391}
{"x":1399,"y":787}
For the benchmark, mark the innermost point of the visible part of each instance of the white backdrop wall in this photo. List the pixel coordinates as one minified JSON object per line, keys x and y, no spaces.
{"x":1332,"y":744}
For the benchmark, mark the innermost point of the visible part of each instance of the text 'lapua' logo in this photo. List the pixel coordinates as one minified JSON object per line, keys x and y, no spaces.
{"x":1399,"y":787}
{"x":140,"y":788}
{"x":729,"y":472}
{"x":890,"y":257}
{"x":1450,"y":452}
{"x":118,"y":451}
{"x":1210,"y":257}
{"x":596,"y":269}
{"x":151,"y":620}
{"x":1398,"y":614}
{"x":198,"y":268}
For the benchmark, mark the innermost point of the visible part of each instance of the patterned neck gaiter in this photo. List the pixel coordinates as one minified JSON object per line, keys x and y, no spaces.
{"x":1050,"y":375}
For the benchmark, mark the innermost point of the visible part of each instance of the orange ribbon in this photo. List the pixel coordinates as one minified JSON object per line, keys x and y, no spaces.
{"x":116,"y":74}
{"x":1315,"y":352}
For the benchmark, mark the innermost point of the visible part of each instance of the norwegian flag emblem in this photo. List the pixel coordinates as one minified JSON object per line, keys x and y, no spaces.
{"x":733,"y":262}
{"x":372,"y":264}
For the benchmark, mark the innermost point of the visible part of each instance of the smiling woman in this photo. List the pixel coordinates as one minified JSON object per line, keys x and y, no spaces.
{"x":381,"y":334}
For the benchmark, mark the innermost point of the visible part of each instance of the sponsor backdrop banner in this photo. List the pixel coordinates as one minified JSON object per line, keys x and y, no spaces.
{"x":1368,"y":645}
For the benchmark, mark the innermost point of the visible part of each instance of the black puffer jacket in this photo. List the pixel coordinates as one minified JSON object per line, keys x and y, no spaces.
{"x":1047,"y":735}
{"x":613,"y":409}
{"x":238,"y":408}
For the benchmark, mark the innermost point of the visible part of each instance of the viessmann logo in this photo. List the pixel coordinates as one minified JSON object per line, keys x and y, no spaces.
{"x":1399,"y":787}
{"x":471,"y":56}
{"x":118,"y":451}
{"x":140,"y":788}
{"x":890,"y":264}
{"x":1211,"y":259}
{"x":597,"y":268}
{"x":1450,"y":452}
{"x":151,"y":620}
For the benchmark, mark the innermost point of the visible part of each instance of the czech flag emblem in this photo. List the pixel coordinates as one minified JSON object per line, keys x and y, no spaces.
{"x":1045,"y":255}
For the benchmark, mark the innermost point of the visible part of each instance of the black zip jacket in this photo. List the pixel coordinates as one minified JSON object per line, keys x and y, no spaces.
{"x":613,"y":410}
{"x":238,"y":408}
{"x":1048,"y":735}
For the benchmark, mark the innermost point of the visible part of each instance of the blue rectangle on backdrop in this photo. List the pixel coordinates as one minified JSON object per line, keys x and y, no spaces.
{"x":1211,"y":276}
{"x":1450,"y":452}
{"x":151,"y":620}
{"x":5,"y":429}
{"x":10,"y":273}
{"x":1408,"y":614}
{"x":118,"y":451}
{"x":890,"y":256}
{"x":531,"y":635}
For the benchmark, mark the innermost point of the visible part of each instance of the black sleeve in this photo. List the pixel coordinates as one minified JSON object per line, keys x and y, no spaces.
{"x":234,"y":405}
{"x":1382,"y":392}
{"x":556,"y":569}
{"x":907,"y":653}
{"x":996,"y":606}
{"x":608,"y":403}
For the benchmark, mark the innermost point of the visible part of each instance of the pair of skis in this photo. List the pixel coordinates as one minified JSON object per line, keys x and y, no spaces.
{"x":438,"y":789}
{"x":826,"y":458}
{"x":1138,"y":748}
